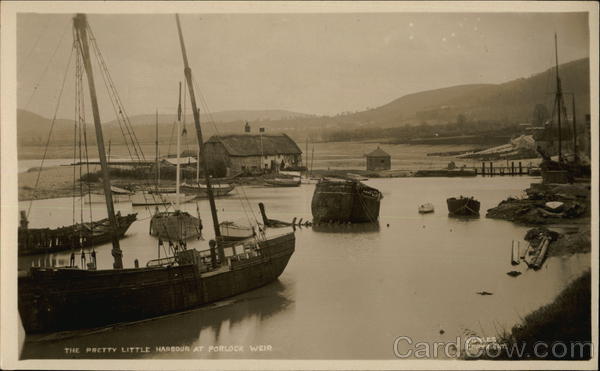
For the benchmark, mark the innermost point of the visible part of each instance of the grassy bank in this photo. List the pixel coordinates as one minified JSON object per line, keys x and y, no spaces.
{"x":542,"y":333}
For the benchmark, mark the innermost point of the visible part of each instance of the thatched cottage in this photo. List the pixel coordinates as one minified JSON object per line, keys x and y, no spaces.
{"x":247,"y":153}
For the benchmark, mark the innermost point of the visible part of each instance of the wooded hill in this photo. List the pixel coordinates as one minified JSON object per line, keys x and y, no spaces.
{"x":508,"y":103}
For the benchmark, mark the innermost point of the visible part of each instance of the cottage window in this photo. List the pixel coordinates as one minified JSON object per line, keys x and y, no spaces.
{"x":382,"y":161}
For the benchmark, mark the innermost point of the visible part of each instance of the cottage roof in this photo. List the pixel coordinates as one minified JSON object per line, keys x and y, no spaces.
{"x":378,"y":153}
{"x":250,"y":145}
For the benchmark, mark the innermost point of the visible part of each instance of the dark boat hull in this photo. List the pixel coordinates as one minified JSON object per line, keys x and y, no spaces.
{"x":46,"y":240}
{"x":283,"y":182}
{"x":463,"y":206}
{"x":345,"y":202}
{"x":53,"y":300}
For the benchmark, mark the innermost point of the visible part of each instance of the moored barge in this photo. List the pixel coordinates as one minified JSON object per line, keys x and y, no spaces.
{"x":463,"y":206}
{"x":345,"y":201}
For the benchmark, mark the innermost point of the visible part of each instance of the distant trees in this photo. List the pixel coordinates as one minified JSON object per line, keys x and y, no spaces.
{"x":462,"y":126}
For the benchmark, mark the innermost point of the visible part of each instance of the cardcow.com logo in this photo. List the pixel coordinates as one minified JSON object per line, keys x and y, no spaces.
{"x":475,"y":347}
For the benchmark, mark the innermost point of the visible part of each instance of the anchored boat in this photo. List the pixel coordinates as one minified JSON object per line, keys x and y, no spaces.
{"x":50,"y":240}
{"x":201,"y":191}
{"x":176,"y":225}
{"x":285,"y":179}
{"x":345,"y":201}
{"x":426,"y":208}
{"x":69,"y":298}
{"x":463,"y":206}
{"x":233,"y":232}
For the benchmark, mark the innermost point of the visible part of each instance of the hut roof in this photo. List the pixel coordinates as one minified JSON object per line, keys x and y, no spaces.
{"x":378,"y":153}
{"x":250,"y":145}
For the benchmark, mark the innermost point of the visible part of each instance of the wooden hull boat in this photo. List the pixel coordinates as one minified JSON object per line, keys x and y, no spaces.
{"x":345,"y":201}
{"x":233,"y":232}
{"x":200,"y":191}
{"x":175,"y":226}
{"x":118,"y":195}
{"x":49,"y":240}
{"x":426,"y":208}
{"x":283,"y":182}
{"x":96,"y":198}
{"x":463,"y":206}
{"x":58,"y":299}
{"x":145,"y":198}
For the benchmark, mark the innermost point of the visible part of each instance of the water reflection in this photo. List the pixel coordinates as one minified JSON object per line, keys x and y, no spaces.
{"x":346,"y":228}
{"x":463,"y":218}
{"x":347,"y":291}
{"x":181,"y":329}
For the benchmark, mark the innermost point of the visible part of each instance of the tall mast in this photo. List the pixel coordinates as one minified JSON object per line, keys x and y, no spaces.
{"x":574,"y":130}
{"x":198,"y":167}
{"x":312,"y":159}
{"x":156,"y":151}
{"x":211,"y":198}
{"x":80,"y":24}
{"x":178,"y":148}
{"x":558,"y":100}
{"x":306,"y":154}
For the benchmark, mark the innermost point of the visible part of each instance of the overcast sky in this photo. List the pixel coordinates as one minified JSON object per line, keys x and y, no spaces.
{"x":310,"y":63}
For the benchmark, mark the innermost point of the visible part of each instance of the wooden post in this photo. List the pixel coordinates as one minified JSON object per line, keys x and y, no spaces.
{"x":491,"y":168}
{"x":520,"y":169}
{"x":512,"y":168}
{"x":482,"y":168}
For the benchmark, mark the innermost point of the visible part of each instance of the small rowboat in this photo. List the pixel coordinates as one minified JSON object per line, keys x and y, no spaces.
{"x":234,"y":232}
{"x":426,"y":208}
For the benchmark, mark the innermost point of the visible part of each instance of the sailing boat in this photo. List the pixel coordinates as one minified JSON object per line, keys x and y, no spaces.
{"x":569,"y":165}
{"x":158,"y":195}
{"x":200,"y":190}
{"x":177,"y":225}
{"x":68,"y":298}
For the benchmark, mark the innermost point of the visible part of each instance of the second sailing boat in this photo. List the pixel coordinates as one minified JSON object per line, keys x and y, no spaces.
{"x":177,"y":225}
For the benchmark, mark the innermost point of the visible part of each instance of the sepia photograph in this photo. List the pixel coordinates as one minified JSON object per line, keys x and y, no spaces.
{"x":299,"y":185}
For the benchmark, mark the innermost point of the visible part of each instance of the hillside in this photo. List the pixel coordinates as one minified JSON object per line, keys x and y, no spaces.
{"x":510,"y":102}
{"x":221,"y":116}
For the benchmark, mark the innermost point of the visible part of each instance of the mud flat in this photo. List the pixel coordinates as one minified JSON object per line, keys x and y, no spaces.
{"x":53,"y":182}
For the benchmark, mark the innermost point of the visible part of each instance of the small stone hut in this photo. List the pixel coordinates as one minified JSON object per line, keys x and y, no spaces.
{"x":379,"y":160}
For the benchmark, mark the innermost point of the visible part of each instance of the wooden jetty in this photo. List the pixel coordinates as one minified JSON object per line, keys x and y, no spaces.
{"x":511,"y":169}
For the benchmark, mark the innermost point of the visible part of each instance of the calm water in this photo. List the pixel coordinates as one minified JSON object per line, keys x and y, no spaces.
{"x":346,"y":293}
